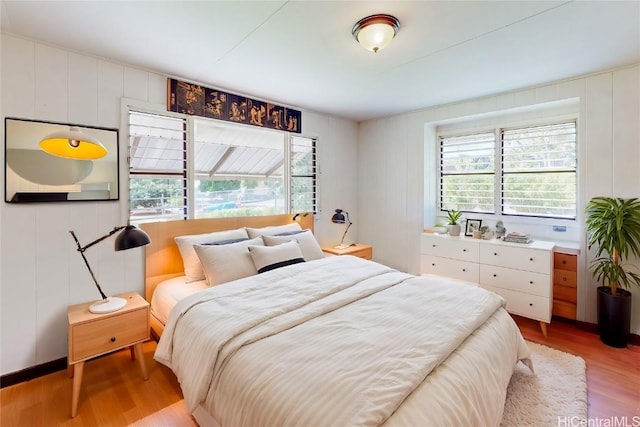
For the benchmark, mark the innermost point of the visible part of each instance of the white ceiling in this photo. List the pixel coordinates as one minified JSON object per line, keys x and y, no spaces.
{"x":302,"y":54}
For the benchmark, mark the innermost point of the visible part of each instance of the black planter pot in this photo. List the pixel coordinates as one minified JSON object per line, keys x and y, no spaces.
{"x":614,"y":317}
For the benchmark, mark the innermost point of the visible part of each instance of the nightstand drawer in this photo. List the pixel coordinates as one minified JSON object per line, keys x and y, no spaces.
{"x":357,"y":249}
{"x":365,"y":253}
{"x":111,"y":333}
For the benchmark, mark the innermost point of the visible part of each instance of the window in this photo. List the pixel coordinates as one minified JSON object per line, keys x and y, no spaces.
{"x":467,"y":172}
{"x":238,"y":170}
{"x":157,"y":167}
{"x":524,"y":172}
{"x":217,"y":170}
{"x":303,"y":174}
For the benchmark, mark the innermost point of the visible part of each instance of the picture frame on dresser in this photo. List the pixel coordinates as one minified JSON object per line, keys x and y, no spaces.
{"x":472,"y":225}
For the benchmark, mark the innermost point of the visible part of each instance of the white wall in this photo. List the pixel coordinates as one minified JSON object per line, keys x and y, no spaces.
{"x":40,"y":271}
{"x":397,"y":177}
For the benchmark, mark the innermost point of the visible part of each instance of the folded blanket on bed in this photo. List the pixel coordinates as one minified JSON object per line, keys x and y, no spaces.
{"x":337,"y":341}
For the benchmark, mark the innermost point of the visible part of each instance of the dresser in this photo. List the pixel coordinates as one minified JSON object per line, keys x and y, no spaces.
{"x":565,"y":281}
{"x":521,"y":273}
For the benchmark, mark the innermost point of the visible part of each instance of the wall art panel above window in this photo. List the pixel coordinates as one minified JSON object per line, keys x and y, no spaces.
{"x":193,"y":99}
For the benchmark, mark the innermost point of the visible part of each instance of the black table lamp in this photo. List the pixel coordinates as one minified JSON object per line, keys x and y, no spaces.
{"x":130,"y":237}
{"x":341,"y":217}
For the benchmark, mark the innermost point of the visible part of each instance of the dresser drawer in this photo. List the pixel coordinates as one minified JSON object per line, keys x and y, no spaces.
{"x":565,"y":261}
{"x":564,"y":309}
{"x":513,"y":257}
{"x":526,"y":305}
{"x":461,"y":270}
{"x":516,"y":280}
{"x":565,"y":278}
{"x":450,"y":247}
{"x":565,"y":293}
{"x":108,"y":334}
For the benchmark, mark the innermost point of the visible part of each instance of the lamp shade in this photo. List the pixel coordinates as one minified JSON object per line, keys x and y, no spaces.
{"x":375,"y":32}
{"x":338,"y":217}
{"x":131,"y":237}
{"x":73,"y":144}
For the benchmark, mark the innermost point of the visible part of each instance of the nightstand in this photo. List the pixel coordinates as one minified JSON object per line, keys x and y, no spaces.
{"x":361,"y":251}
{"x":92,"y":335}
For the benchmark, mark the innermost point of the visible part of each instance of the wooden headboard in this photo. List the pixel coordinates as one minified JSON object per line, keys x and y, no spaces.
{"x":162,"y":257}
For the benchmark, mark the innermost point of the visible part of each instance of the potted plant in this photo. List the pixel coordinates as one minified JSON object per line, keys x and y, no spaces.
{"x":453,"y":216}
{"x":613,"y":228}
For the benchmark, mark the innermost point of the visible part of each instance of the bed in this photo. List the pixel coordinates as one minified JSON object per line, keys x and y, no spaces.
{"x":333,"y":341}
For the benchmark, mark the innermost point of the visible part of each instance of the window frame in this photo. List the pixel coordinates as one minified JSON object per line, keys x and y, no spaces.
{"x":189,"y":179}
{"x":499,"y":169}
{"x":314,"y":175}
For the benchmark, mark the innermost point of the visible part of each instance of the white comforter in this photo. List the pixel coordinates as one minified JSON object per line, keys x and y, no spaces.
{"x":338,"y":341}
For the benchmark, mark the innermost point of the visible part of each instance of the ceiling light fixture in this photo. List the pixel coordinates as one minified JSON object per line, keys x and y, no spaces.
{"x":73,"y":144}
{"x":375,"y":32}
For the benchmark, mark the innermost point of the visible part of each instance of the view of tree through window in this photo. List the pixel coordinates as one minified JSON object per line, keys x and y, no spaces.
{"x":532,"y":170}
{"x":467,"y":166}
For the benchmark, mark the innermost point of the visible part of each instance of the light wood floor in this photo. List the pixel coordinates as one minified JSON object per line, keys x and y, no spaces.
{"x":114,"y":394}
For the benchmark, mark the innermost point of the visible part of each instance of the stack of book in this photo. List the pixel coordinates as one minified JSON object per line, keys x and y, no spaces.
{"x":517,"y":237}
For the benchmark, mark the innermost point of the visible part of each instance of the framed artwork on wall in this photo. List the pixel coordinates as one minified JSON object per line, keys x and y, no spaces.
{"x":59,"y":162}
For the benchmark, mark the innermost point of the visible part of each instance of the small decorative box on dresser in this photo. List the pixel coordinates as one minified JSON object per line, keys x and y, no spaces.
{"x":361,"y":251}
{"x":565,"y":281}
{"x":520,"y":273}
{"x":92,"y":335}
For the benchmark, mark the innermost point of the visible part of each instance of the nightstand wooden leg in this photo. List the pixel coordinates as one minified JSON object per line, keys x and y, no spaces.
{"x":132,"y":352}
{"x":78,"y":368}
{"x":140,"y":356}
{"x":543,"y":326}
{"x":70,"y":371}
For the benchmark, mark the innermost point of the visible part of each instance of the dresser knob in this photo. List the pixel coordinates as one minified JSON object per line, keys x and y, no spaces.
{"x":495,"y":253}
{"x":531,"y":282}
{"x":433,"y":246}
{"x":433,"y":264}
{"x":495,"y":275}
{"x":464,"y":269}
{"x":564,"y":261}
{"x":530,"y":304}
{"x":530,"y":259}
{"x":113,"y":339}
{"x":564,"y":279}
{"x":464,"y":250}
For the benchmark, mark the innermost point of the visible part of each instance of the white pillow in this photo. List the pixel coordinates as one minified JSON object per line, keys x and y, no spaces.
{"x":273,"y":230}
{"x":192,"y":266}
{"x":308,"y":244}
{"x":224,"y":263}
{"x":267,"y":258}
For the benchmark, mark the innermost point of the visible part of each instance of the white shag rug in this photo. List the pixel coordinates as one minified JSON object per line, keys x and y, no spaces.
{"x":557,"y":391}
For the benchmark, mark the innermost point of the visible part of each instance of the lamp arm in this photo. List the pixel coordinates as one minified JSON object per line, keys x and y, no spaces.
{"x":98,"y":240}
{"x":347,"y":229}
{"x":81,"y":249}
